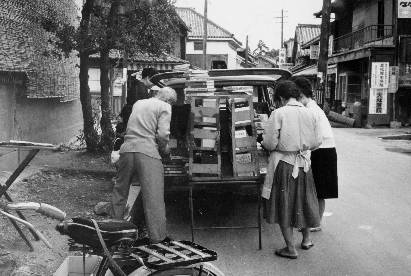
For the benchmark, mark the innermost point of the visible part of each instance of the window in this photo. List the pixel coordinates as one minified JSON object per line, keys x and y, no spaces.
{"x":198,"y":46}
{"x":380,"y":30}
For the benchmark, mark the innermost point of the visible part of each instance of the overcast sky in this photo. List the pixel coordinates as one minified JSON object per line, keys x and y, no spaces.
{"x":257,"y":17}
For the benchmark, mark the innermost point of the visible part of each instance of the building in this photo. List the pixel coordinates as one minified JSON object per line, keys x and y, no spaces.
{"x":222,"y":46}
{"x":304,"y":33}
{"x":39,"y":94}
{"x":289,"y":47}
{"x":370,"y":60}
{"x":119,"y":76}
{"x":263,"y":61}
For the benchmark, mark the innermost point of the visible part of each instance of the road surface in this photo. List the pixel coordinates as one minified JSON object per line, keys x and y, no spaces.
{"x":366,"y":231}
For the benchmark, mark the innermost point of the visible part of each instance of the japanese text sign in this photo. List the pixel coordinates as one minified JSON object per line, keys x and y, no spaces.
{"x":380,"y":74}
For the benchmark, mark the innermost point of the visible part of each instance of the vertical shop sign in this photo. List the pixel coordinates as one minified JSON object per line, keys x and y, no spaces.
{"x":378,"y":101}
{"x":282,"y":56}
{"x":394,"y":75}
{"x":380,"y":74}
{"x":314,"y":51}
{"x":380,"y":80}
{"x":404,"y":9}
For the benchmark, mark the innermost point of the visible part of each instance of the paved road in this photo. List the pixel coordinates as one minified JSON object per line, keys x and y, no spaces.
{"x":367,"y":230}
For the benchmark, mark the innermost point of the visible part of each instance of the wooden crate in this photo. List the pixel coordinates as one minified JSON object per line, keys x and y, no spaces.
{"x":204,"y":137}
{"x":244,"y":147}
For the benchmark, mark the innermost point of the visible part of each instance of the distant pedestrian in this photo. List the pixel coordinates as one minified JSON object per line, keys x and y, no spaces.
{"x":324,"y":159}
{"x":289,"y":187}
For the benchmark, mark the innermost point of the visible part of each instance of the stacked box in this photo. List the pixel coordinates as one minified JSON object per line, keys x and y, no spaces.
{"x":198,"y":84}
{"x":243,"y":134}
{"x":204,"y":149}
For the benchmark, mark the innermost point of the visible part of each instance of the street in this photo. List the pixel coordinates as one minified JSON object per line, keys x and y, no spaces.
{"x":365,"y":232}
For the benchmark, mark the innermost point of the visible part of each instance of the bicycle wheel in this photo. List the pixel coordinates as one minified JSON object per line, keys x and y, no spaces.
{"x":202,"y":269}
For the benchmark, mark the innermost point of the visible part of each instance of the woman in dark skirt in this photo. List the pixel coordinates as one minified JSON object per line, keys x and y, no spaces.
{"x":324,"y":159}
{"x":289,"y":186}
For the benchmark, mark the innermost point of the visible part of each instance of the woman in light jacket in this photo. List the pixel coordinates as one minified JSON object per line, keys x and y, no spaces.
{"x":289,"y":135}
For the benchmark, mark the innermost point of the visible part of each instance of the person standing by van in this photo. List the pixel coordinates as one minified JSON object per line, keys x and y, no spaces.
{"x":323,"y":159}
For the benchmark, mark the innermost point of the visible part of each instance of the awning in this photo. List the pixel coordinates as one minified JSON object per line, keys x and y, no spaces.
{"x":310,"y":71}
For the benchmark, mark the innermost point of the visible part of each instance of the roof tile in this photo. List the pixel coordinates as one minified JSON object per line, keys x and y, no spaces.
{"x":195,"y":21}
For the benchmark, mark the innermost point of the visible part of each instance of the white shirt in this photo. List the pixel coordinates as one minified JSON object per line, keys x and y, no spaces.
{"x":289,"y":135}
{"x":323,"y":125}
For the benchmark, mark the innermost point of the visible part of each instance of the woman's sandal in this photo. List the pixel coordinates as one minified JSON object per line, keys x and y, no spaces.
{"x":285,"y":253}
{"x":307,"y":246}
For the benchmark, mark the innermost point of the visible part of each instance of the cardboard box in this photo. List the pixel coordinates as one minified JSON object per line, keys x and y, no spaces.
{"x":73,"y":266}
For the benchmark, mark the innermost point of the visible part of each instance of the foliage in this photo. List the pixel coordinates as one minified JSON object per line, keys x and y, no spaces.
{"x":261,"y":48}
{"x":273,"y":53}
{"x":132,"y":27}
{"x":141,"y":29}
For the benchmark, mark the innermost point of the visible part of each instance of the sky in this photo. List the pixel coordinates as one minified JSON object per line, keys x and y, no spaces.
{"x":257,"y":18}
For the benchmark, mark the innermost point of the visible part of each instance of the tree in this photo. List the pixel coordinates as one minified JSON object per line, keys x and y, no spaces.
{"x":130,"y":27}
{"x":273,"y":53}
{"x":261,"y":48}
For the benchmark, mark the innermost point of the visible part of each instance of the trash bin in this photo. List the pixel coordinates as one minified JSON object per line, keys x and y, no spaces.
{"x":357,"y":114}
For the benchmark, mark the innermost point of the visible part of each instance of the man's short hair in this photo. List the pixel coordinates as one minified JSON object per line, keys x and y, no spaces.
{"x":148,"y":72}
{"x":304,"y":86}
{"x":166,"y":94}
{"x":287,"y":89}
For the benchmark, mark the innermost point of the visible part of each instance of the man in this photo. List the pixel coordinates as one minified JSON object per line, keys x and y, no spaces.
{"x":324,"y":159}
{"x":141,"y":89}
{"x":146,"y":140}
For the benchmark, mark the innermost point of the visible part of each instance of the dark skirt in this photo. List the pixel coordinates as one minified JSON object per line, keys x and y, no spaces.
{"x":324,"y":166}
{"x":293,"y":202}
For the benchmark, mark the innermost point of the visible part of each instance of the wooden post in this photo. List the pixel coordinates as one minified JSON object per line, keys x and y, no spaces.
{"x":282,"y":29}
{"x":124,"y":88}
{"x":205,"y":36}
{"x":246,"y":52}
{"x":324,"y":41}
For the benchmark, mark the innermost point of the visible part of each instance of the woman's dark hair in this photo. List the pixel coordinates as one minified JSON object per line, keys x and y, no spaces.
{"x":287,"y":89}
{"x":304,"y":85}
{"x":148,"y":72}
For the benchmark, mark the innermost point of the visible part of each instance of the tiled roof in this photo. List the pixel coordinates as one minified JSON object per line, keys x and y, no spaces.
{"x":23,"y":46}
{"x":306,"y":32}
{"x":145,"y":58}
{"x":268,"y":59}
{"x":194,"y":21}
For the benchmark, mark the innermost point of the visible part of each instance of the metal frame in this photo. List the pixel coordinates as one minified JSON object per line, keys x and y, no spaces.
{"x":258,"y":181}
{"x":33,"y":150}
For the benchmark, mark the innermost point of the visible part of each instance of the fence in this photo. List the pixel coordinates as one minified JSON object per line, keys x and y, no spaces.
{"x":368,"y":36}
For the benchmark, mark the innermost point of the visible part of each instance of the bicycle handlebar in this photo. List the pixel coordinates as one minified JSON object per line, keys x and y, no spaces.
{"x":41,"y":208}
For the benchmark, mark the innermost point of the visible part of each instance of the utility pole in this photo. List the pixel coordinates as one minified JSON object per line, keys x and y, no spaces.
{"x":246,"y":52}
{"x":324,"y":41}
{"x":205,"y":30}
{"x":282,"y":26}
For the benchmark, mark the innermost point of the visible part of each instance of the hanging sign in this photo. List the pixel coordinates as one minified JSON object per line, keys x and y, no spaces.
{"x":378,"y":101}
{"x":394,"y":76}
{"x":404,"y":9}
{"x":314,"y":51}
{"x":380,"y":74}
{"x":282,"y":56}
{"x":330,"y":45}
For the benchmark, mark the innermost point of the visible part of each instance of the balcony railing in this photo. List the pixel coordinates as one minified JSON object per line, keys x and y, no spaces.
{"x":372,"y":35}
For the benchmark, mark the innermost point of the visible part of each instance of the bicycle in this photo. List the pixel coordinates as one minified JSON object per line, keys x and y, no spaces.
{"x":111,"y":247}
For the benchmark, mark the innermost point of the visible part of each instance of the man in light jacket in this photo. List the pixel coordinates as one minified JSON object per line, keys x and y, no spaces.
{"x":146,"y":140}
